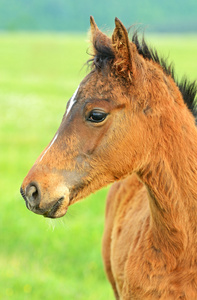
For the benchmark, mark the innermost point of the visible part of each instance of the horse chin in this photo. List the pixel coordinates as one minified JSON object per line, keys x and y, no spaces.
{"x":58,"y":214}
{"x":58,"y":210}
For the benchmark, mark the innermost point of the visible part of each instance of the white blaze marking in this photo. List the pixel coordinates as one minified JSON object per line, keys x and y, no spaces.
{"x":52,"y":142}
{"x":72,"y":101}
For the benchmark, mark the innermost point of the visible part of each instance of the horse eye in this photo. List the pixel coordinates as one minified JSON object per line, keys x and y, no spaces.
{"x":97,"y":116}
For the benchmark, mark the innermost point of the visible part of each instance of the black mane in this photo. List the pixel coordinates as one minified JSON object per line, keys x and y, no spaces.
{"x":188,"y":89}
{"x":105,"y":55}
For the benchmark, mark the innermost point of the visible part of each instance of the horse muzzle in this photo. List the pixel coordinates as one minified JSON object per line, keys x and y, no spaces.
{"x":47,"y":198}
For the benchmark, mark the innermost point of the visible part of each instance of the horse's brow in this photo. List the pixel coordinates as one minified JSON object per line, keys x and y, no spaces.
{"x":92,"y":100}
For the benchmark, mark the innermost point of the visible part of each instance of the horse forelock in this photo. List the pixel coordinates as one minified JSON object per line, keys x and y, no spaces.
{"x":104,"y":55}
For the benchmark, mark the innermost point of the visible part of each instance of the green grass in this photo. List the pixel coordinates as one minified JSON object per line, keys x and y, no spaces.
{"x":39,"y":258}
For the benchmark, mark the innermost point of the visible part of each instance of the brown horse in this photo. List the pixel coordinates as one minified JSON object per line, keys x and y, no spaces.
{"x":129,"y":121}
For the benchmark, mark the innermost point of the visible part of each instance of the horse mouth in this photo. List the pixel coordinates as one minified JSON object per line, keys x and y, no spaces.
{"x":58,"y":210}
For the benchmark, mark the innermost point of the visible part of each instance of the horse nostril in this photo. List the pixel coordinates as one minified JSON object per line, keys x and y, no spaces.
{"x":32,"y":194}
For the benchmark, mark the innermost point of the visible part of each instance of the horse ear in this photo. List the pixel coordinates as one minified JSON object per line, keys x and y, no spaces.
{"x":124,"y":50}
{"x":93,"y":25}
{"x":97,"y":37}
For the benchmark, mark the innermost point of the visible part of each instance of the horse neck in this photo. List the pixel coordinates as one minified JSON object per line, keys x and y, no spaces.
{"x":170,"y":176}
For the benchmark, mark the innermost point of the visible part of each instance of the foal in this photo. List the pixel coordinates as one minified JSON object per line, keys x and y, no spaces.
{"x":129,"y":122}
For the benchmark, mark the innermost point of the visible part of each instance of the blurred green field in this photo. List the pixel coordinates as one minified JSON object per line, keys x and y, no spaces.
{"x":40,"y":258}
